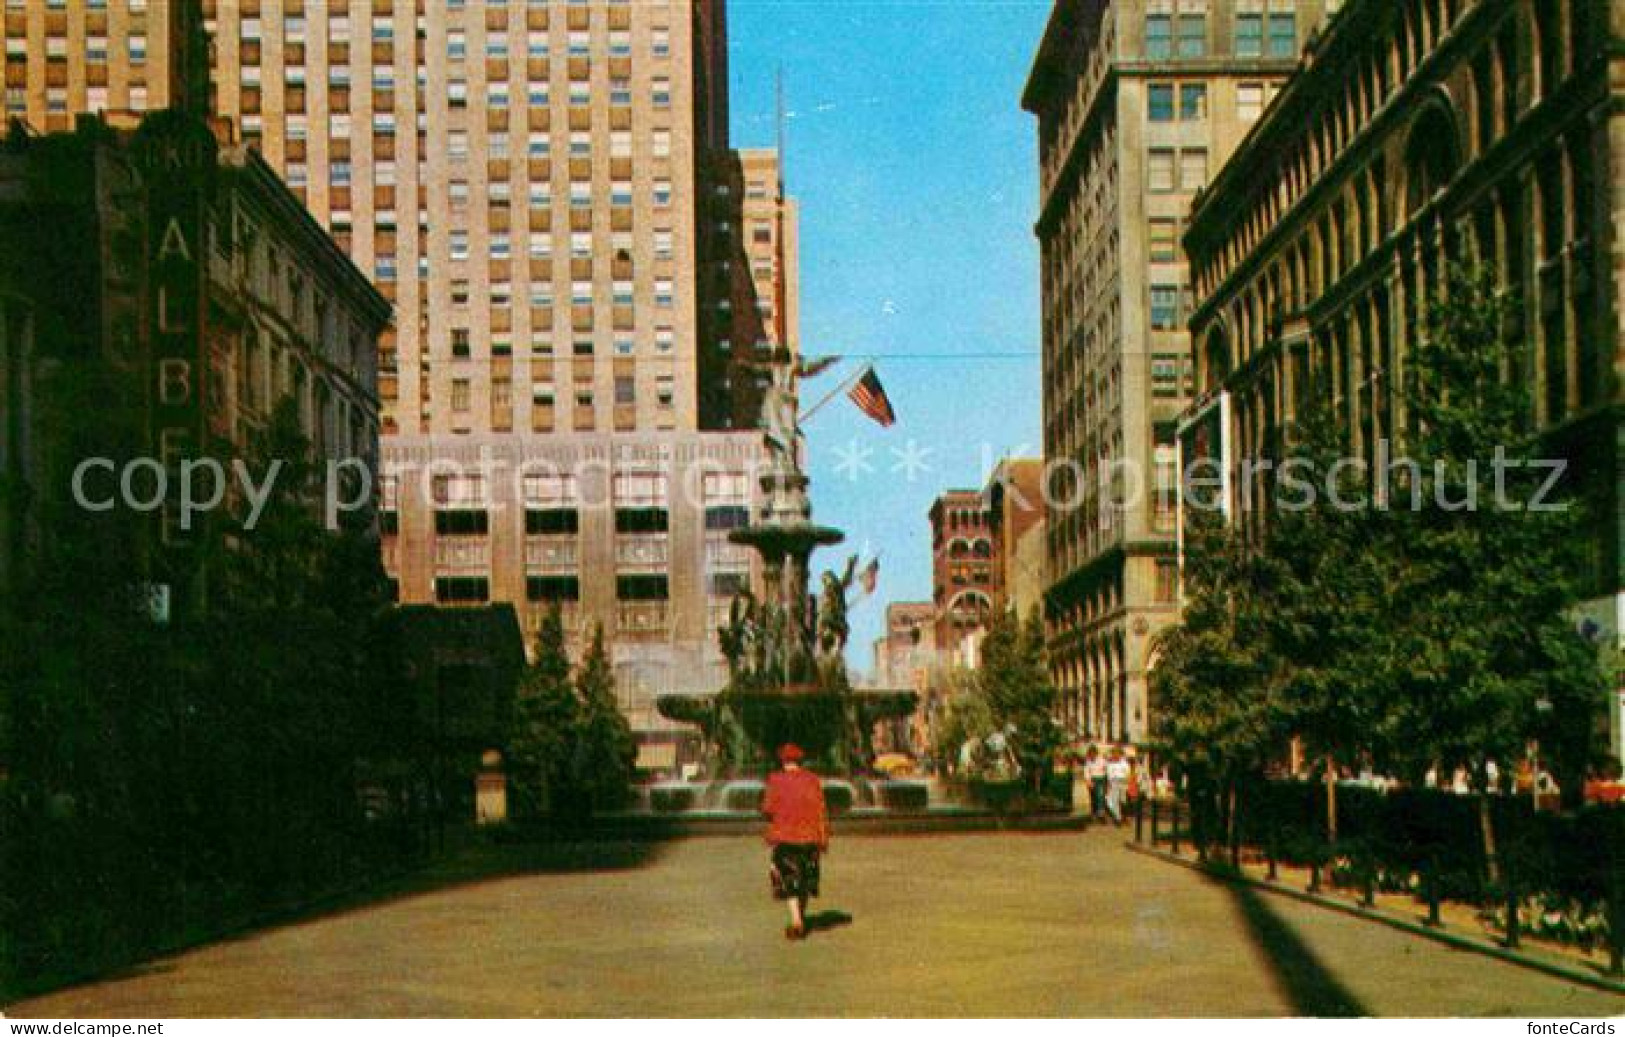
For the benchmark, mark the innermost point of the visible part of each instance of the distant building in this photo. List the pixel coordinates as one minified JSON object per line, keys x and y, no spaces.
{"x":1137,"y":104}
{"x":1418,"y":133}
{"x":1027,"y":579}
{"x":1015,"y":505}
{"x":159,"y":296}
{"x":909,"y":652}
{"x":962,"y":566}
{"x":908,"y":648}
{"x":754,"y":232}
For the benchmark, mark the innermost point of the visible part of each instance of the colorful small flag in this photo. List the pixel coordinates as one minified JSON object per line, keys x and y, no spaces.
{"x":869,"y":579}
{"x":870,"y":396}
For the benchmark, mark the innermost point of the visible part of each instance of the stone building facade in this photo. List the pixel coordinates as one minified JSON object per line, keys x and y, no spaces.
{"x":962,"y":565}
{"x":1137,"y":105}
{"x":1422,"y":132}
{"x":161,"y":297}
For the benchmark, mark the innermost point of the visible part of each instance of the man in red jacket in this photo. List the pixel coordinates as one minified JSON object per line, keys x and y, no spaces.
{"x":798,"y":831}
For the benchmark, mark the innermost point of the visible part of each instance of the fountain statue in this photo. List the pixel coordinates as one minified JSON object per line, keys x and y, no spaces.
{"x":787,"y":679}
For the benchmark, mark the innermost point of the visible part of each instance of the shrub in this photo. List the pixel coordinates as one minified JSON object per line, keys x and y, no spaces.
{"x":994,"y":794}
{"x":838,"y":796}
{"x":904,"y":795}
{"x":671,"y":799}
{"x":743,"y":796}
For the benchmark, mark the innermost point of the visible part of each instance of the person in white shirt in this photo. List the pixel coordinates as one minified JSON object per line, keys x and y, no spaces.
{"x":1117,"y":777}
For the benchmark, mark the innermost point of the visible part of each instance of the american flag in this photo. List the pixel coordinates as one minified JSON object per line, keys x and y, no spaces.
{"x":870,"y":396}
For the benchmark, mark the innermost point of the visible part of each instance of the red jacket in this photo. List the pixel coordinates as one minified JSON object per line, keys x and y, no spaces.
{"x":794,"y":805}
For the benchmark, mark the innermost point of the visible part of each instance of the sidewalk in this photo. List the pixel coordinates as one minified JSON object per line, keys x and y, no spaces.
{"x":1460,"y":924}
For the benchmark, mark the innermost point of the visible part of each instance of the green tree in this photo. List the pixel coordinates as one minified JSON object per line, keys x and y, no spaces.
{"x":965,"y":717}
{"x":1324,"y":574}
{"x":541,"y":751}
{"x":1219,"y":715}
{"x":1493,"y":661}
{"x":1015,"y":682}
{"x":607,"y":751}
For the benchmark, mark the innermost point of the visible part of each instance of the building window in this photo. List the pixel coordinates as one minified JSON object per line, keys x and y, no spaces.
{"x":1192,"y":101}
{"x":1159,"y":37}
{"x":1283,"y":34}
{"x":726,"y":516}
{"x":552,"y":521}
{"x":625,"y":391}
{"x":460,"y":394}
{"x":1192,"y":35}
{"x":1164,"y":307}
{"x":462,"y":589}
{"x":1192,"y":169}
{"x":553,"y":588}
{"x":1164,"y":246}
{"x":1249,"y":35}
{"x":1160,"y":170}
{"x":461,"y":522}
{"x":1249,"y":101}
{"x":1161,"y":102}
{"x":641,"y":587}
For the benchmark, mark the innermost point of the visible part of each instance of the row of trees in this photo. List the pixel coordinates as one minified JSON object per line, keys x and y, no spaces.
{"x":1427,"y":630}
{"x":572,"y":751}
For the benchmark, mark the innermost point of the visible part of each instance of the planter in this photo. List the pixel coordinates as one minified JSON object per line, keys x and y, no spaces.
{"x":903,"y":795}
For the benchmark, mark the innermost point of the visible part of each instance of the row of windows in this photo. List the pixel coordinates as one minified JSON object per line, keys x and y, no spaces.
{"x":1170,"y":169}
{"x":542,"y":394}
{"x":1257,"y":34}
{"x":642,"y":587}
{"x":465,"y":590}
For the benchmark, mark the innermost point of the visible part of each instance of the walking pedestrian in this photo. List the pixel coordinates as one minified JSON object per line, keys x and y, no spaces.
{"x":1094,"y":772}
{"x":798,"y":832}
{"x":1117,"y":775}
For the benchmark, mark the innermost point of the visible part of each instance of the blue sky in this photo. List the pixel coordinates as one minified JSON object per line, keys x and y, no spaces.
{"x":914,"y":166}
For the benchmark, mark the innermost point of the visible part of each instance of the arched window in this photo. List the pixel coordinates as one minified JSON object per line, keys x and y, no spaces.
{"x":1549,"y":44}
{"x":1432,"y":156}
{"x":1215,"y":361}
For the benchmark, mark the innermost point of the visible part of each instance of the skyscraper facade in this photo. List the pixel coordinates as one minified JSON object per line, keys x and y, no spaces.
{"x":1136,"y":104}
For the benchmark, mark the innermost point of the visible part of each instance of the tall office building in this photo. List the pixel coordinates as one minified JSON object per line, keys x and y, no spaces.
{"x":536,"y":186}
{"x":1136,"y":105}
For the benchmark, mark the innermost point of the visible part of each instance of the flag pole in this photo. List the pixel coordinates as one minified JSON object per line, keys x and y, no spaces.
{"x":845,"y":384}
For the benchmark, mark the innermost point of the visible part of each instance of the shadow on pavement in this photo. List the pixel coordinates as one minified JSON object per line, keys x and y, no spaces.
{"x":469,"y":865}
{"x":823,"y":921}
{"x":1308,"y":984}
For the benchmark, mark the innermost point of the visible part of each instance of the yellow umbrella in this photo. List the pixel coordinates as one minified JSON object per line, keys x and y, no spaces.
{"x":894,"y":763}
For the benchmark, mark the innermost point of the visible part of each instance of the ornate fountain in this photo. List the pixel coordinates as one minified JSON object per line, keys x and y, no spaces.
{"x":787,"y":679}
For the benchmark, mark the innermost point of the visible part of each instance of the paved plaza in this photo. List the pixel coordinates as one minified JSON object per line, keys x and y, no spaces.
{"x":944,"y":925}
